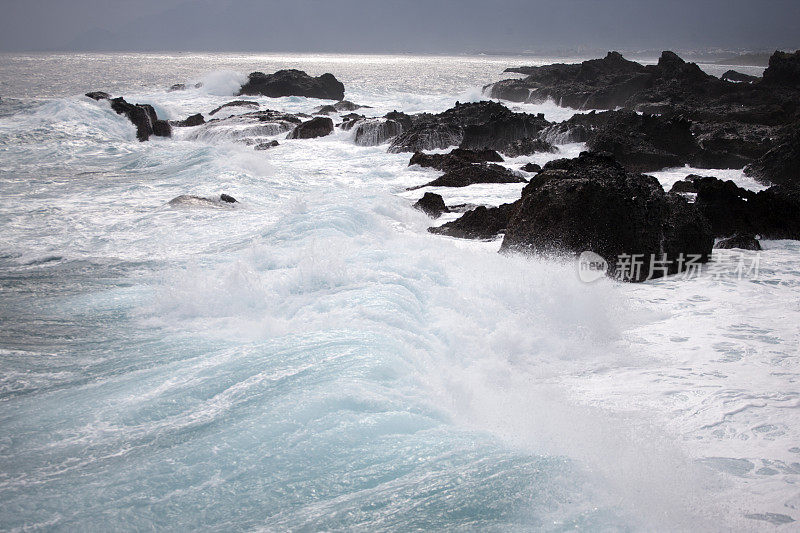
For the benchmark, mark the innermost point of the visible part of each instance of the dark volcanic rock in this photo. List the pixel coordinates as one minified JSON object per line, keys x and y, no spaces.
{"x":98,"y":95}
{"x":427,"y":136}
{"x":324,"y":110}
{"x":781,"y":165}
{"x":739,"y":77}
{"x":724,"y":205}
{"x":744,"y":241}
{"x":177,"y":87}
{"x":347,"y":105}
{"x":458,"y":157}
{"x":432,"y":205}
{"x":514,"y":134}
{"x":738,"y":142}
{"x":162,"y":128}
{"x":783,"y":69}
{"x":733,"y":122}
{"x":227,"y":198}
{"x":480,"y":223}
{"x":644,"y":143}
{"x":338,"y":107}
{"x":351,"y":120}
{"x":294,"y":83}
{"x":531,"y":167}
{"x":528,"y":146}
{"x":686,"y":232}
{"x":596,"y":84}
{"x":773,"y":213}
{"x":376,"y":131}
{"x":686,"y":185}
{"x":470,"y":174}
{"x":144,"y":117}
{"x":188,"y":122}
{"x":593,"y":203}
{"x":266,"y":145}
{"x":641,"y":142}
{"x":316,"y":127}
{"x":401,"y":118}
{"x":476,"y":125}
{"x":235,"y":103}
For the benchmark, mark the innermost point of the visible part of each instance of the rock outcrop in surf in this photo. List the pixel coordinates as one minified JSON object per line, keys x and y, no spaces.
{"x":293,"y":82}
{"x":479,"y":125}
{"x":316,"y":127}
{"x":593,"y":203}
{"x":432,"y":205}
{"x":143,"y":116}
{"x":187,"y":200}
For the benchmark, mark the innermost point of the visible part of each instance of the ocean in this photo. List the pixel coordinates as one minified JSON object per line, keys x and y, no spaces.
{"x":313,"y":359}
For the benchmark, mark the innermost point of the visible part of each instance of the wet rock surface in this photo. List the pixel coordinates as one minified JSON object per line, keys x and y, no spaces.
{"x":316,"y":127}
{"x":432,"y":205}
{"x":294,"y":82}
{"x":593,"y":203}
{"x":479,"y":223}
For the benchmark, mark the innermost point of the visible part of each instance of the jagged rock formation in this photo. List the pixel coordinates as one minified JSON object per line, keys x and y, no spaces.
{"x":143,"y":116}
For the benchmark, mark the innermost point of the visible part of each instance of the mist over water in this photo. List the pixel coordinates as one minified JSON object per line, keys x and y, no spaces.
{"x":313,"y":359}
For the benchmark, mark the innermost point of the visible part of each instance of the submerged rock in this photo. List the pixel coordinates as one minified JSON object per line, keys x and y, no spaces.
{"x":592,"y":203}
{"x":294,"y":83}
{"x":531,"y":167}
{"x":98,"y":95}
{"x":266,"y":145}
{"x":187,"y":200}
{"x":316,"y":127}
{"x":432,"y":205}
{"x":339,"y":107}
{"x":235,"y":103}
{"x":250,"y":128}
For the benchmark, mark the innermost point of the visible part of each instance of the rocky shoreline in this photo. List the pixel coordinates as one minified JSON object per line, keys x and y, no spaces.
{"x":642,"y":118}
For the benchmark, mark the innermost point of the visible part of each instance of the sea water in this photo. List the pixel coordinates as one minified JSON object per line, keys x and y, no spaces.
{"x":312,"y":359}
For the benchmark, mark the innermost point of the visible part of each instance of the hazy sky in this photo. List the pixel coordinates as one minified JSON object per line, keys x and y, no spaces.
{"x":397,"y":25}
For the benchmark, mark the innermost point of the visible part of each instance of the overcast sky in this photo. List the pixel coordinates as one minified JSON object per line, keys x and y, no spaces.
{"x":429,"y":26}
